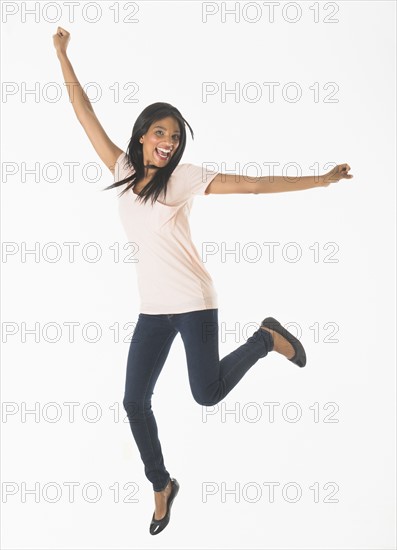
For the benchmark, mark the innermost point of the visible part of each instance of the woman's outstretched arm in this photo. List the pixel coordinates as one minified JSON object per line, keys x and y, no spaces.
{"x":108,"y":152}
{"x":237,"y":183}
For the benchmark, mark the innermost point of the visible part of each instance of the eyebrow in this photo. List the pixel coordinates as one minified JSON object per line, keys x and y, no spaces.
{"x":162,"y":127}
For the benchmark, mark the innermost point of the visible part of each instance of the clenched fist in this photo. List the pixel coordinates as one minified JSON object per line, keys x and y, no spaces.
{"x":61,"y":40}
{"x":337,"y":173}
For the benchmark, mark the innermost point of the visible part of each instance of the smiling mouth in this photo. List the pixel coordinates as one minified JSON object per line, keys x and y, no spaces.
{"x":163,"y":154}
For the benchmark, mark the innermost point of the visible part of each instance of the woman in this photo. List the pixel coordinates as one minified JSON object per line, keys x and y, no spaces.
{"x":176,"y":291}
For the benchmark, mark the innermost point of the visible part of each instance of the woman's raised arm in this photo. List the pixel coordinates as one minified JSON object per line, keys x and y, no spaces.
{"x":108,"y":152}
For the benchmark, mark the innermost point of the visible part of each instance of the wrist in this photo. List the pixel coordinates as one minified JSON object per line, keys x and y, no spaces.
{"x":61,"y":55}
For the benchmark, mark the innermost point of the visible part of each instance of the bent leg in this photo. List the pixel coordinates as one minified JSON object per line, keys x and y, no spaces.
{"x":149,"y":348}
{"x":211,"y":379}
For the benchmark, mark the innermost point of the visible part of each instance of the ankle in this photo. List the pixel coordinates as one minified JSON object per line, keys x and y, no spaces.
{"x":164,"y":491}
{"x":271,"y":337}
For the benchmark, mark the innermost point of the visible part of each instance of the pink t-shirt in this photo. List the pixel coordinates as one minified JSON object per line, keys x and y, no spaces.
{"x":171,"y":276}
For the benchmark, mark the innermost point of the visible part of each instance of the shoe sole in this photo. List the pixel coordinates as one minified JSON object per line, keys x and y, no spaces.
{"x":300,"y":355}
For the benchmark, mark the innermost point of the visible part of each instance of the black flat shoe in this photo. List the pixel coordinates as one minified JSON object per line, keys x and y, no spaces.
{"x":157,"y":525}
{"x":300,"y":356}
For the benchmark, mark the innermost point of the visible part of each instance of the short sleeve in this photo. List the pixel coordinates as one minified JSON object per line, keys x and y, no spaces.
{"x":121,"y":168}
{"x":199,"y":178}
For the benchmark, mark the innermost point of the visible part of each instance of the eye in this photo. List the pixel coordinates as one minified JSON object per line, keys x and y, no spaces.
{"x":176,"y":137}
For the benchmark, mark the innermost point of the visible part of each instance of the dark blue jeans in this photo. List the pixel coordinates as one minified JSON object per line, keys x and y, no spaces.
{"x":210,"y":378}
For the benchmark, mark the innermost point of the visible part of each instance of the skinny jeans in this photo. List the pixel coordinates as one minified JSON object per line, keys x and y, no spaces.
{"x":210,"y":377}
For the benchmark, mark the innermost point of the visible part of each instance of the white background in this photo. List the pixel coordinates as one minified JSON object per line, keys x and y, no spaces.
{"x":169,"y":53}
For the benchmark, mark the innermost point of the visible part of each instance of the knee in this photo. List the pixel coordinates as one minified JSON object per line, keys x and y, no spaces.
{"x":205,"y":401}
{"x":136,"y":410}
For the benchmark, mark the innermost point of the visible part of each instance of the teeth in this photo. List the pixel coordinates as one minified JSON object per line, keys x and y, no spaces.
{"x":163,"y":153}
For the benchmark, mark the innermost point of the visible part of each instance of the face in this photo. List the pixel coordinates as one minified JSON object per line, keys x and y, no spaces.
{"x":160,"y":142}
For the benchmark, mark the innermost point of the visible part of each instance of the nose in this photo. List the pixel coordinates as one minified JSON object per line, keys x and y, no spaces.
{"x":167,"y":140}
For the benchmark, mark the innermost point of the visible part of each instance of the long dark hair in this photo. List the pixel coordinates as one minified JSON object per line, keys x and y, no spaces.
{"x":134,"y":159}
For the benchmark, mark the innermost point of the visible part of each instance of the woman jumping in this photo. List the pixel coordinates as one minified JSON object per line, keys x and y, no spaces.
{"x":177,"y":294}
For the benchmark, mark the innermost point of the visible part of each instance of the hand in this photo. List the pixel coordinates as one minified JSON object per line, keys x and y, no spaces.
{"x":61,"y":40}
{"x":337,"y":173}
